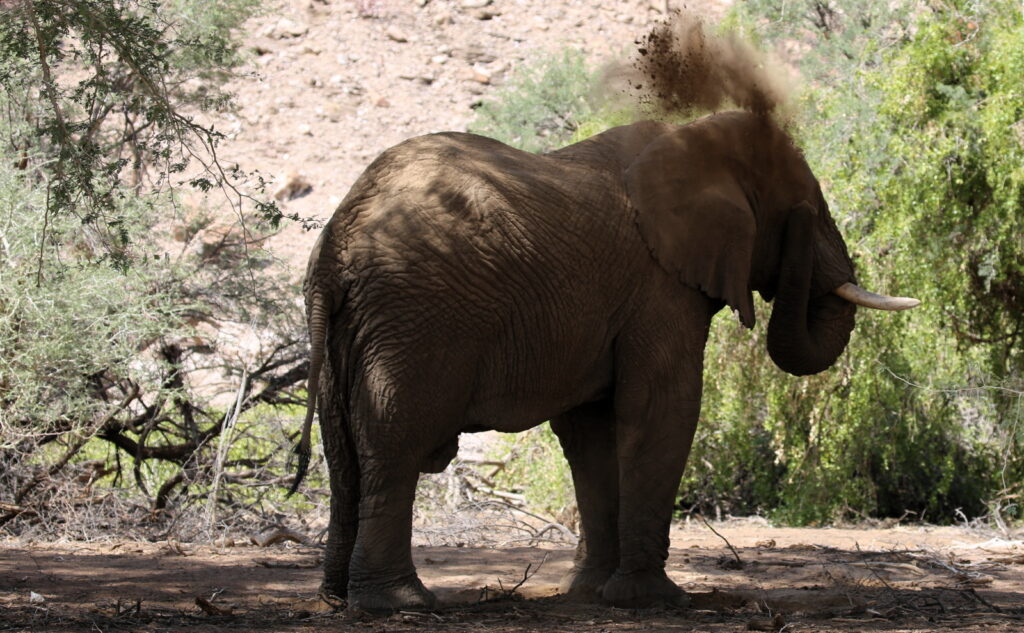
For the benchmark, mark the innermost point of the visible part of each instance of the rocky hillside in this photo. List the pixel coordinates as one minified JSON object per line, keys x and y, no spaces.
{"x":332,"y":83}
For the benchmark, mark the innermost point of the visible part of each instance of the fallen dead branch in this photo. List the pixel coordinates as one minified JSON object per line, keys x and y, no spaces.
{"x":776,"y":623}
{"x":278,"y":534}
{"x":506,"y":594}
{"x":964,"y":573}
{"x":882,"y":564}
{"x":278,"y":564}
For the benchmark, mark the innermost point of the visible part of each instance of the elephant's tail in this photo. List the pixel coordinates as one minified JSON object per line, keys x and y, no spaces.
{"x":318,"y":314}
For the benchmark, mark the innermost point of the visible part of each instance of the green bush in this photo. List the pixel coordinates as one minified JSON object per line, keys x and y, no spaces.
{"x":541,"y":107}
{"x":95,"y":93}
{"x":140,"y":344}
{"x":536,"y":468}
{"x":915,"y":145}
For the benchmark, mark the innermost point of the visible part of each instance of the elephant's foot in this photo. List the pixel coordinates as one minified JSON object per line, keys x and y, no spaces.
{"x":640,"y":589}
{"x":584,"y":584}
{"x":408,"y":594}
{"x":336,"y":588}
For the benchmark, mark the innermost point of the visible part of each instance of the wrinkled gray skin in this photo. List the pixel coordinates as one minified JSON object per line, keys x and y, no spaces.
{"x":463,"y":285}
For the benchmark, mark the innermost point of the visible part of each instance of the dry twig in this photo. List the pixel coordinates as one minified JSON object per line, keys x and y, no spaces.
{"x":739,"y":562}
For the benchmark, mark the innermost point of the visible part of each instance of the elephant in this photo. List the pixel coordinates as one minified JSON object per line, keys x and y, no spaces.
{"x":463,"y":285}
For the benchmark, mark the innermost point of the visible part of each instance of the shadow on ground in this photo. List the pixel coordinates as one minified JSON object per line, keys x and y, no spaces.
{"x":795,"y":580}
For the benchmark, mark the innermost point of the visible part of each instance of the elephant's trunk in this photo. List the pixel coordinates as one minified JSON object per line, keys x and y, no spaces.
{"x":805,"y":334}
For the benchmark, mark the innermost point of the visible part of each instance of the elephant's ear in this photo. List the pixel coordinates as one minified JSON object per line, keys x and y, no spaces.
{"x":695,"y":219}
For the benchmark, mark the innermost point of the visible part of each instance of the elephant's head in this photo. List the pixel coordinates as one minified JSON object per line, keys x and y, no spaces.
{"x":729,"y":206}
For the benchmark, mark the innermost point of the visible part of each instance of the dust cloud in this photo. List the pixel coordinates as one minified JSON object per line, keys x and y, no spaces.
{"x":682,"y":69}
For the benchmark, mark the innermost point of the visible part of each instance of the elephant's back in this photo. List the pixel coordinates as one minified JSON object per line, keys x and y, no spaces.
{"x":450,"y":204}
{"x":466,"y":231}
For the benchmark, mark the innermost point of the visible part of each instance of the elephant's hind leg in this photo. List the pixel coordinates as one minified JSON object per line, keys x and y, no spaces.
{"x":382,"y":576}
{"x":343,"y":468}
{"x":341,"y":531}
{"x":587,"y":435}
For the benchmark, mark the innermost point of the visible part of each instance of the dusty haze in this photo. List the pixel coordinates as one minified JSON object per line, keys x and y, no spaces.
{"x":682,"y":69}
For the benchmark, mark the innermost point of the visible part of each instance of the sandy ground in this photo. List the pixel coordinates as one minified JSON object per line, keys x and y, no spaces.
{"x":901,"y":579}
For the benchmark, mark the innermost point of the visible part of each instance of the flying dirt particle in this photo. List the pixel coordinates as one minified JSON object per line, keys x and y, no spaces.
{"x":681,"y":69}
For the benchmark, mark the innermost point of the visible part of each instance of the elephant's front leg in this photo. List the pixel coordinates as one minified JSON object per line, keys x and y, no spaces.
{"x":587,"y":435}
{"x":657,"y":401}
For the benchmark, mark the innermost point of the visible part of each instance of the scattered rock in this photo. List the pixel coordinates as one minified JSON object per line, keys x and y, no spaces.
{"x":294,"y":186}
{"x":425,"y":79}
{"x":486,"y":14}
{"x":305,"y":129}
{"x":285,"y":28}
{"x":382,"y":103}
{"x":476,"y":54}
{"x":474,"y":4}
{"x":35,"y":598}
{"x":481,"y":75}
{"x":224,"y":541}
{"x":439,"y":59}
{"x":334,"y":111}
{"x":211,"y":609}
{"x":396,"y":35}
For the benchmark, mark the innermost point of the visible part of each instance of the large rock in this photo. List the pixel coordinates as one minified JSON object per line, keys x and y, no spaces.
{"x":293,"y":186}
{"x":285,"y":29}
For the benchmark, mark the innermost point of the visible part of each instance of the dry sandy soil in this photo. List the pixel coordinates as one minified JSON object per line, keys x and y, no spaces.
{"x":899,"y":579}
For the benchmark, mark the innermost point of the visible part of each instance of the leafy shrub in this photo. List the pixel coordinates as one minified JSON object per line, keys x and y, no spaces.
{"x":541,"y":106}
{"x":96,"y":93}
{"x":536,"y":468}
{"x":133,"y":393}
{"x":915,"y":147}
{"x":142,"y":381}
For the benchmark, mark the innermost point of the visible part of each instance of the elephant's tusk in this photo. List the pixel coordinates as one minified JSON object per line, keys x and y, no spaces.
{"x":855,"y":294}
